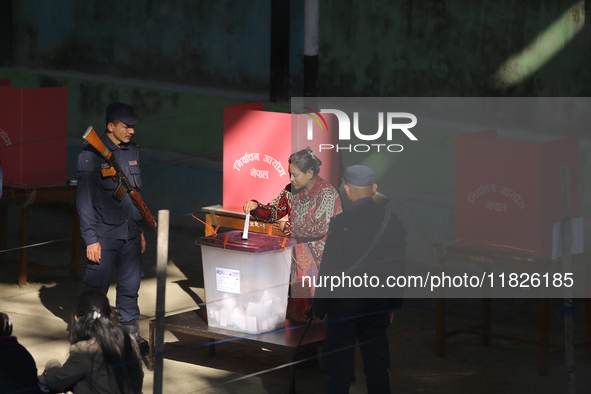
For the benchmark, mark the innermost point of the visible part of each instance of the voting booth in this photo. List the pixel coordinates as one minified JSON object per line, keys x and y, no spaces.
{"x":33,"y":134}
{"x":508,"y":193}
{"x":247,"y":280}
{"x":257,"y":146}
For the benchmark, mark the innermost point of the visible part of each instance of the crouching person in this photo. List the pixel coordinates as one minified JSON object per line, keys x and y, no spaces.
{"x":103,"y":358}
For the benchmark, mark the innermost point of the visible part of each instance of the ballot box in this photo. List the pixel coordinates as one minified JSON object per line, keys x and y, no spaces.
{"x":508,"y":193}
{"x":33,"y":135}
{"x":246,"y":281}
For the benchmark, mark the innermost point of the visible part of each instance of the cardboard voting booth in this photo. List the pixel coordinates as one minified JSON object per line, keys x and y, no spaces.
{"x":257,"y":146}
{"x":508,"y":193}
{"x":33,"y":131}
{"x":246,"y":281}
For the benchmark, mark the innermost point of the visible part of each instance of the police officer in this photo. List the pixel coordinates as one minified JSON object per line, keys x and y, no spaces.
{"x":110,"y":228}
{"x":363,"y":242}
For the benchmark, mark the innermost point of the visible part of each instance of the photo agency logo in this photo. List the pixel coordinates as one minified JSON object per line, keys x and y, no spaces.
{"x":392,"y":120}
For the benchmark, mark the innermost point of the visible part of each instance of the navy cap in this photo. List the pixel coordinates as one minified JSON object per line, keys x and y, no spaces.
{"x":359,"y":176}
{"x":123,"y":112}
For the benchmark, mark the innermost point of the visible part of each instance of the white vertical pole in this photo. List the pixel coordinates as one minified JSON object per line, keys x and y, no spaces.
{"x":161,"y":262}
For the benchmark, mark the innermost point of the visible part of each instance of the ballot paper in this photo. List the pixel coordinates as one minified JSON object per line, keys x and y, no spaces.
{"x":246,"y":224}
{"x":577,"y":246}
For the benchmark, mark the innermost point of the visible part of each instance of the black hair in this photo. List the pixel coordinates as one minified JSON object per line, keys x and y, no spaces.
{"x":5,"y":325}
{"x":306,"y":160}
{"x":114,"y":121}
{"x":96,"y":319}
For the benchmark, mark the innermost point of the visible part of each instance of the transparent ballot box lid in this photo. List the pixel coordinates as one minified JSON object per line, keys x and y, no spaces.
{"x":256,"y":243}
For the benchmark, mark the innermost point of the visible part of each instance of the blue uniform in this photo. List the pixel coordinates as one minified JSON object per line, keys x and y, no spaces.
{"x":115,"y":225}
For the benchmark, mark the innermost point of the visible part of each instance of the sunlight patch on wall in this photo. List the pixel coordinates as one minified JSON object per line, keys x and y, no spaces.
{"x":543,"y":48}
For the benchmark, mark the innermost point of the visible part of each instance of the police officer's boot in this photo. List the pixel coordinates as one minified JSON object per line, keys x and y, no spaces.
{"x":133,"y":329}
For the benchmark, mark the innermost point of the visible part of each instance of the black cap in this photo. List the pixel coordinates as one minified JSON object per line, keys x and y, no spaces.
{"x":123,"y":112}
{"x":359,"y":176}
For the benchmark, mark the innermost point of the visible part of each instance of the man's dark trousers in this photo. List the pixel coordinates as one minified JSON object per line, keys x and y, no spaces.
{"x":126,"y":257}
{"x":339,"y":348}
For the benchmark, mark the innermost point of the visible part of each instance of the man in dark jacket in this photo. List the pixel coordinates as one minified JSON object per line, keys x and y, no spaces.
{"x":365,"y":246}
{"x":111,"y":228}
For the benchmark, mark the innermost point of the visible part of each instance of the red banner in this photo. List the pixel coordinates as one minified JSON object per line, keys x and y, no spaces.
{"x":257,"y":146}
{"x":256,"y":149}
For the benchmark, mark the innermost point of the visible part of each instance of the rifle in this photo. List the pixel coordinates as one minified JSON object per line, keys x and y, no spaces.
{"x":124,"y":185}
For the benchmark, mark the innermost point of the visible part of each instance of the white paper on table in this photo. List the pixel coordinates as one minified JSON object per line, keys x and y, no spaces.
{"x":578,"y":238}
{"x":246,"y":224}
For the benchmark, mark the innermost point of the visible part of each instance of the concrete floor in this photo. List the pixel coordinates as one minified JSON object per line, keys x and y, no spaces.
{"x":40,"y":311}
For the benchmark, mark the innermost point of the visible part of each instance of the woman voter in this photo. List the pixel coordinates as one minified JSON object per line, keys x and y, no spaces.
{"x":309,"y":202}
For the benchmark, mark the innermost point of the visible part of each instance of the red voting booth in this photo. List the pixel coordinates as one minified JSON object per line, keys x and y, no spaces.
{"x":508,"y":193}
{"x":257,"y":146}
{"x":33,"y":135}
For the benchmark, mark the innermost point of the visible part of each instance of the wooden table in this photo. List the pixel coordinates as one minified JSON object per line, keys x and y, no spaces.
{"x":26,"y":195}
{"x":195,"y":323}
{"x":233,"y":217}
{"x":452,"y":250}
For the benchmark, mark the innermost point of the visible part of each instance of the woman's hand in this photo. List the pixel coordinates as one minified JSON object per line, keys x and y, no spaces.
{"x":279,"y":225}
{"x":250,"y":205}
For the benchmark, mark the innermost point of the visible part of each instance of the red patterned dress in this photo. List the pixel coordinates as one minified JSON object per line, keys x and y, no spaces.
{"x":309,"y":217}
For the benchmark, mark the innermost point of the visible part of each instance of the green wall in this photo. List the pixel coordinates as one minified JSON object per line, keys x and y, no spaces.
{"x":367,"y":48}
{"x":218,"y":44}
{"x":453,"y":48}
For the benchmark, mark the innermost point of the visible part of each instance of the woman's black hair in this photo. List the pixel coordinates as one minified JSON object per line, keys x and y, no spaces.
{"x":306,"y":160}
{"x":96,"y":319}
{"x":5,"y":325}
